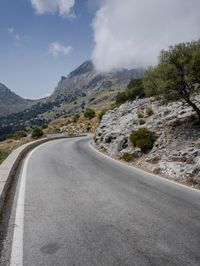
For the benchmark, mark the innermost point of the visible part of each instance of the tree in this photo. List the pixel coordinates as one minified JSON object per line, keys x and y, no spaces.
{"x":134,"y":89}
{"x":177,"y":76}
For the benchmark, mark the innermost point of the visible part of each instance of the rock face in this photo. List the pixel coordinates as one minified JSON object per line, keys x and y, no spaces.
{"x":86,"y":80}
{"x":176,"y":152}
{"x":11,"y":102}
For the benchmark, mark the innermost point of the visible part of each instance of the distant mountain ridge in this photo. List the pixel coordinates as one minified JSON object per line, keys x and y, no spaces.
{"x":83,"y":87}
{"x":11,"y":102}
{"x":85,"y":80}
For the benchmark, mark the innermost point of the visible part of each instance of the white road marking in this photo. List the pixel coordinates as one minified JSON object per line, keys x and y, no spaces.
{"x":18,"y":234}
{"x":142,"y":171}
{"x":17,"y":244}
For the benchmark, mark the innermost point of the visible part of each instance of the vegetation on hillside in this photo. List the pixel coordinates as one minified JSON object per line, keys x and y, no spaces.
{"x":3,"y":154}
{"x":177,"y":76}
{"x":17,"y":135}
{"x":102,"y":113}
{"x":37,"y":133}
{"x":135,"y":89}
{"x":143,"y":138}
{"x":89,"y":113}
{"x":128,"y":157}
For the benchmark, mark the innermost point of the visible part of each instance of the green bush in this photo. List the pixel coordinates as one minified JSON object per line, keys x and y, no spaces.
{"x":17,"y":135}
{"x":102,"y":113}
{"x":37,"y":133}
{"x":143,"y":138}
{"x":176,"y":77}
{"x":142,"y":122}
{"x":121,"y":97}
{"x":114,"y":105}
{"x":128,"y":157}
{"x":89,"y":113}
{"x":134,"y":89}
{"x":44,"y":126}
{"x":3,"y":154}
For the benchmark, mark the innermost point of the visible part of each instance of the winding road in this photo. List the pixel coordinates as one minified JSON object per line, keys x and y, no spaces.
{"x":76,"y":207}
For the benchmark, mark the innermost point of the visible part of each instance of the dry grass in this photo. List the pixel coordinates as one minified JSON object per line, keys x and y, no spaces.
{"x":7,"y":146}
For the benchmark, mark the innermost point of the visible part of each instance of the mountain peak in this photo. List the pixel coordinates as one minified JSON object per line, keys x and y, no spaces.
{"x":86,"y":67}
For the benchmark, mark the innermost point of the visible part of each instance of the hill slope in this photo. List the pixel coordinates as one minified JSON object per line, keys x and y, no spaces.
{"x":84,"y":87}
{"x":86,"y":80}
{"x":11,"y":102}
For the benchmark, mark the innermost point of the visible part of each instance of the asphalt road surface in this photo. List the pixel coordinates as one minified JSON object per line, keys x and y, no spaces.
{"x":84,"y":209}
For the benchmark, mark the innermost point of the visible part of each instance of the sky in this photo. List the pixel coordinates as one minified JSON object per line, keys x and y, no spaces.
{"x":42,"y":40}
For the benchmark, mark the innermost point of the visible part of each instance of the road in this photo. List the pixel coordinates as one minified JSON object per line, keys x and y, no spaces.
{"x":83,"y":209}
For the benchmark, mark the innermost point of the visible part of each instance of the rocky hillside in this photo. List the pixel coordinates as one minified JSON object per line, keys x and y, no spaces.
{"x":86,"y":80}
{"x":84,"y":87}
{"x":176,"y":151}
{"x":11,"y":102}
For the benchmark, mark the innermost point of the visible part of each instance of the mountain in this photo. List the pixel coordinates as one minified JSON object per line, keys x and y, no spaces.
{"x":84,"y":87}
{"x":11,"y":102}
{"x":86,"y":80}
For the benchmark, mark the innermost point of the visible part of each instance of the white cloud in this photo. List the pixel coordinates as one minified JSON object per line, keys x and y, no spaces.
{"x":10,"y":30}
{"x":131,"y":33}
{"x":63,"y":7}
{"x":55,"y":48}
{"x":17,"y":40}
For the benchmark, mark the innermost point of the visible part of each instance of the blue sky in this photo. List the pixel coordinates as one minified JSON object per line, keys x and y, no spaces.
{"x":41,"y":40}
{"x":26,"y":65}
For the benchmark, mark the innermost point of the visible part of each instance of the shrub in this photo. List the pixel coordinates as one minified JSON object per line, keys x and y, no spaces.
{"x":89,"y":113}
{"x":17,"y":135}
{"x":44,"y":126}
{"x":114,"y":105}
{"x":3,"y":154}
{"x":142,"y":122}
{"x":128,"y":157}
{"x":102,"y":113}
{"x":37,"y":133}
{"x":134,"y":89}
{"x":88,"y":128}
{"x":143,"y":138}
{"x":121,"y":97}
{"x":76,"y":118}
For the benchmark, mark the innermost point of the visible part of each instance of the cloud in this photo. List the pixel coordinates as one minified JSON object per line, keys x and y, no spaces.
{"x":10,"y":30}
{"x":63,"y":7}
{"x":17,"y":40}
{"x":131,"y":33}
{"x":55,"y":48}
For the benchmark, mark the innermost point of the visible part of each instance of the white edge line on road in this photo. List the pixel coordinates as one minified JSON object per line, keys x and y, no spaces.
{"x":18,"y":234}
{"x":142,"y":171}
{"x":17,"y":243}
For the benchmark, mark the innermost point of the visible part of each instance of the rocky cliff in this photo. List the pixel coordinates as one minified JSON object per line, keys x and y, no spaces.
{"x":176,"y":152}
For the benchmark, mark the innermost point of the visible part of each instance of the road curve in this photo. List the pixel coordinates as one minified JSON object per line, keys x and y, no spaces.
{"x":83,"y":209}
